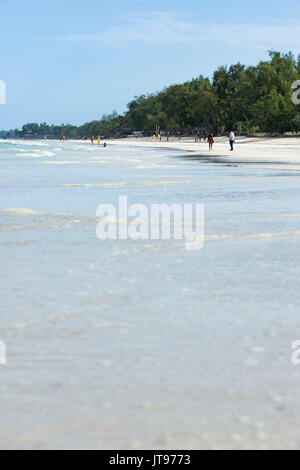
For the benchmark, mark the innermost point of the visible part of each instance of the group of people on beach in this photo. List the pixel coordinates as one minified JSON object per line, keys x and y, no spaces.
{"x":64,"y":139}
{"x":93,"y":139}
{"x":156,"y":136}
{"x":211,"y":141}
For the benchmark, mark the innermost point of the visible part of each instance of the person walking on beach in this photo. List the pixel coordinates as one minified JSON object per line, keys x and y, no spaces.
{"x":98,"y":139}
{"x":93,"y":139}
{"x":210,"y":141}
{"x":231,"y":140}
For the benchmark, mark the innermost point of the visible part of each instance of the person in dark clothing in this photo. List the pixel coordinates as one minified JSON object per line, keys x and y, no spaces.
{"x":231,"y":140}
{"x":210,"y":141}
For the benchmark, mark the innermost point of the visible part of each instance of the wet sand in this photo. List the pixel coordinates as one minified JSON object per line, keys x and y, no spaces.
{"x":280,"y":153}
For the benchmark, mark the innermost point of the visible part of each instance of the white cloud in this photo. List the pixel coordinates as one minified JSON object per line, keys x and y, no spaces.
{"x":168,"y":28}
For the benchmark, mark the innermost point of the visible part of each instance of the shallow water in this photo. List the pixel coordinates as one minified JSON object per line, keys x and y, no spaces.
{"x":142,"y":344}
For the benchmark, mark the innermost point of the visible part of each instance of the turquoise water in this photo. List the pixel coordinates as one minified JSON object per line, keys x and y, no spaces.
{"x":141,"y":344}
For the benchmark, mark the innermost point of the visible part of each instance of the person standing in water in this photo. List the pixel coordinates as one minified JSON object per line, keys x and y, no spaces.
{"x":210,"y":141}
{"x":93,"y":139}
{"x":231,"y":140}
{"x":98,"y":139}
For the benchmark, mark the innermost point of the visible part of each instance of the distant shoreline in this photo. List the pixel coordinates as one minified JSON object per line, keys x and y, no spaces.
{"x":278,"y":153}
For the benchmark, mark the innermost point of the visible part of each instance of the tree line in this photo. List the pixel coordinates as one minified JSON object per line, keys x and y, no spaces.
{"x":240,"y":98}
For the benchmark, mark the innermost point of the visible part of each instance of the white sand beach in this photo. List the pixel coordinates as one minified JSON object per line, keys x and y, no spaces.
{"x":277,"y":153}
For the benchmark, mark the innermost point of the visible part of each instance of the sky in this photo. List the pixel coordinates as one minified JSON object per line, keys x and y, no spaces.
{"x":71,"y":61}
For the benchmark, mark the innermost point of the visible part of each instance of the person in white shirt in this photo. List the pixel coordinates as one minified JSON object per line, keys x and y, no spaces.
{"x":231,"y":140}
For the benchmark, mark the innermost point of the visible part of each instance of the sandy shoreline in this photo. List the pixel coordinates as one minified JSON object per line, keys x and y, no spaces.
{"x":276,"y":153}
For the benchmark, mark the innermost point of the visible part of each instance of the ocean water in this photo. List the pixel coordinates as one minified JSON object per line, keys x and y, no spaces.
{"x":142,"y":344}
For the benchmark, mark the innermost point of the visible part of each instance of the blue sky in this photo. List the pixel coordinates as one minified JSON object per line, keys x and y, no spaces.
{"x":70,"y":61}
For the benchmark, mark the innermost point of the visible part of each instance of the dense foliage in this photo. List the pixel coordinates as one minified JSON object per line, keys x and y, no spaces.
{"x":240,"y":98}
